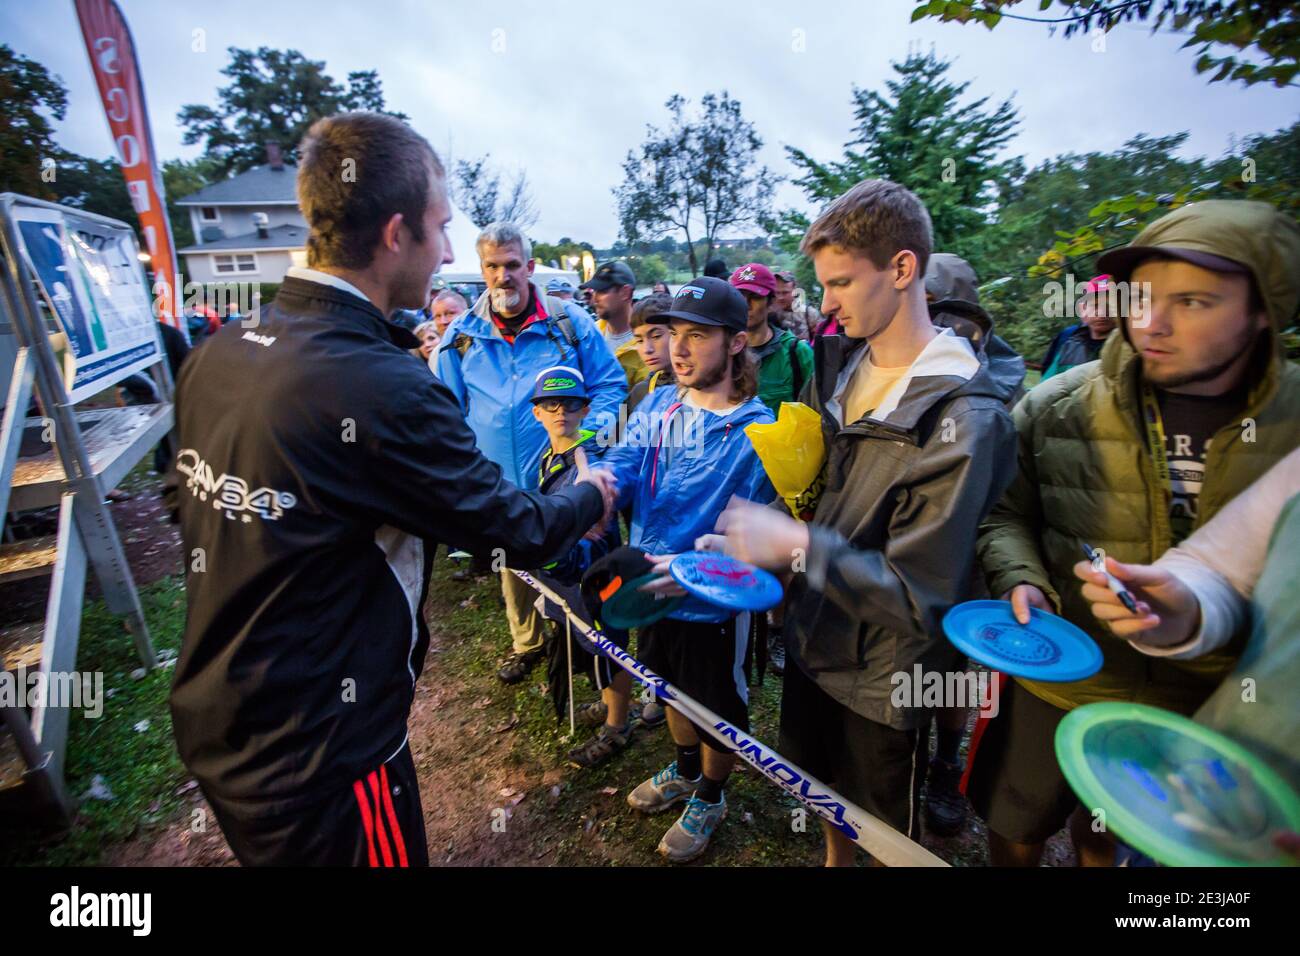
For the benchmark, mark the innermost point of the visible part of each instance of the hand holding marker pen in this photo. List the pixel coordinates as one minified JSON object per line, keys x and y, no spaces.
{"x":1098,"y":559}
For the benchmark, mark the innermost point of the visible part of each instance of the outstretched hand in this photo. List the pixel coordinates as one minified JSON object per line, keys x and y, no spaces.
{"x":605,"y":483}
{"x":761,"y":535}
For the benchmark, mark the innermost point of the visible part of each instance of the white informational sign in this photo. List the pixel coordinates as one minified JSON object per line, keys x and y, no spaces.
{"x":89,"y":273}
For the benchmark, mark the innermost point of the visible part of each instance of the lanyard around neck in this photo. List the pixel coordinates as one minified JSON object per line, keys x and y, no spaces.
{"x":1155,"y":428}
{"x":654,"y":468}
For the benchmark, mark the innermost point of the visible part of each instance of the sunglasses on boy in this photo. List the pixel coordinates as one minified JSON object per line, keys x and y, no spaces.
{"x":568,"y":404}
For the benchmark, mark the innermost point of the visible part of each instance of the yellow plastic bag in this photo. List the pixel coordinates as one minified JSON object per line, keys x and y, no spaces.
{"x":793,"y":451}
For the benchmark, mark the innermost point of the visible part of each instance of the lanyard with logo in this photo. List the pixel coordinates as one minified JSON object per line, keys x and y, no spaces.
{"x":1156,"y":437}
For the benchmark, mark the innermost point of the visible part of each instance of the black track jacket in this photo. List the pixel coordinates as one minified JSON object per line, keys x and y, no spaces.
{"x":320,"y":465}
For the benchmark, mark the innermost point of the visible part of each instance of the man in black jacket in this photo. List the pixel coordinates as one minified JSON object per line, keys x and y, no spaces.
{"x":322,"y":464}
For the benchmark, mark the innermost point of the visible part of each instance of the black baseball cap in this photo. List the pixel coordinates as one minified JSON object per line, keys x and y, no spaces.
{"x":610,"y":274}
{"x":708,"y":301}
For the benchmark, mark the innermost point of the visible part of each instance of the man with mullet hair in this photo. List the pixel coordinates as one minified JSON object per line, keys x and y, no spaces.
{"x":696,"y":459}
{"x":316,"y":502}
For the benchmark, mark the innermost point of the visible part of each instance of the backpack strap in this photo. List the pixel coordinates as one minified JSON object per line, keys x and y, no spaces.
{"x":565,"y":325}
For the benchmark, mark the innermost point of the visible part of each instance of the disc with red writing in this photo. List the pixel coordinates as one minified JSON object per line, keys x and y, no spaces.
{"x":725,"y":582}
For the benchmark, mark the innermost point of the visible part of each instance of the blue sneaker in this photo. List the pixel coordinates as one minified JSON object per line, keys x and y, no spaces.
{"x":689,"y":836}
{"x":665,"y":789}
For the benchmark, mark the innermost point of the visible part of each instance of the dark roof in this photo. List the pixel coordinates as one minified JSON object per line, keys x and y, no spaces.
{"x":281,"y":237}
{"x":261,"y":184}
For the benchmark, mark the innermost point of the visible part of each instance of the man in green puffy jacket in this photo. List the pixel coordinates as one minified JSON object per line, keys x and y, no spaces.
{"x":1185,"y":409}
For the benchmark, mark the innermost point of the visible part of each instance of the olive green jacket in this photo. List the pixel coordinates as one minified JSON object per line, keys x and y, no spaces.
{"x":1084,"y":474}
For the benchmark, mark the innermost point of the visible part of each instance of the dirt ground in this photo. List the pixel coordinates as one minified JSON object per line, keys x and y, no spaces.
{"x":485,"y":756}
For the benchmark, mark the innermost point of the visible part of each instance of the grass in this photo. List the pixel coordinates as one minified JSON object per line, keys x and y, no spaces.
{"x":139,"y":767}
{"x":586,"y":825}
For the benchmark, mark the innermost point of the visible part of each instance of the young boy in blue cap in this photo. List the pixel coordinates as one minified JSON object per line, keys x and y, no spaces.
{"x":682,"y":457}
{"x":560,"y":404}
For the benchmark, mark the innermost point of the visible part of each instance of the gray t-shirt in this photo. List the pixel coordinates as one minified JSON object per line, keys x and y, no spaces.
{"x":616,"y":342}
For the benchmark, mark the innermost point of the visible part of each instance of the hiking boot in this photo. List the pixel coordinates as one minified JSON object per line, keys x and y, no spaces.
{"x":517,"y":666}
{"x":945,"y":805}
{"x":593,"y":714}
{"x":776,"y":653}
{"x":600,"y":748}
{"x":665,"y":789}
{"x":652,"y":714}
{"x":689,"y":836}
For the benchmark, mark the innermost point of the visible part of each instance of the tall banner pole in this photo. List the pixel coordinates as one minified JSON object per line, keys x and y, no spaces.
{"x":117,"y":73}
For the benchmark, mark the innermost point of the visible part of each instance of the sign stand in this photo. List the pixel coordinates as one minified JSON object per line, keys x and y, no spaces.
{"x":68,"y":458}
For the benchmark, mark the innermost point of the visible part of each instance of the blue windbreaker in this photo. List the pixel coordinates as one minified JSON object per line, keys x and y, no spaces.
{"x":494,"y":380}
{"x":674,"y":502}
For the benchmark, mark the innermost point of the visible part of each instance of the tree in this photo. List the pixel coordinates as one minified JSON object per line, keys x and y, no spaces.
{"x":701,"y":171}
{"x":97,"y":185}
{"x":180,"y":179}
{"x":1270,"y":29}
{"x":649,"y":269}
{"x":274,"y":97}
{"x":558,"y":254}
{"x":1069,"y":209}
{"x":28,"y":90}
{"x":921,"y":136}
{"x":486,"y":195}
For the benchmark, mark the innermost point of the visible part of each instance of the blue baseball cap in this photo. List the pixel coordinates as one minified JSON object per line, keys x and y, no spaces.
{"x":560,"y":381}
{"x":560,"y":285}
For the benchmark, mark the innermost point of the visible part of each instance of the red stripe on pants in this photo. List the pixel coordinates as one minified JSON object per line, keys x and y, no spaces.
{"x":366,"y":820}
{"x":379,"y":821}
{"x":392,"y":817}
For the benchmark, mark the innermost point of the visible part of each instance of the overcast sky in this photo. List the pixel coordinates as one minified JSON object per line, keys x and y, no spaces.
{"x":575,"y":85}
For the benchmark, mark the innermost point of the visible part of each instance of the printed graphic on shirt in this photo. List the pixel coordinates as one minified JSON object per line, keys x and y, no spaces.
{"x":1186,"y":474}
{"x":230,"y":493}
{"x":1190,"y":422}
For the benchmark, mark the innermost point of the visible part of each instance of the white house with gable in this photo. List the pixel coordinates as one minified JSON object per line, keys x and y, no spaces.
{"x":248,"y":227}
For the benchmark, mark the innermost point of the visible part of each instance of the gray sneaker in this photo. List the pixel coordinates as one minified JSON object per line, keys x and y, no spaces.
{"x":652,"y":714}
{"x":689,"y":836}
{"x":665,"y":789}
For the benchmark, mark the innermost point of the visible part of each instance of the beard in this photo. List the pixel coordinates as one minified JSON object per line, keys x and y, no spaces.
{"x":711,"y":376}
{"x":1246,"y":343}
{"x":504,"y":300}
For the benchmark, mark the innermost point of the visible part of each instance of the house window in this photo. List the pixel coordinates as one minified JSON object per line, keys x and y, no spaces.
{"x":229,"y":265}
{"x":209,"y":214}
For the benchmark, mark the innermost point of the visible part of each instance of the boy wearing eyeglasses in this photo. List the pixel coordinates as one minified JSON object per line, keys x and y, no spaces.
{"x":560,"y":404}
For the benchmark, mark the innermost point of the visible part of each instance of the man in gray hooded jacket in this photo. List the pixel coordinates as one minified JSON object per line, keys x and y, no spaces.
{"x":919,"y":448}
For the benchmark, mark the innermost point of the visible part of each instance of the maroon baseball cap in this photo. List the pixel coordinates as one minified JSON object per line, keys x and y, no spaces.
{"x":754,"y":277}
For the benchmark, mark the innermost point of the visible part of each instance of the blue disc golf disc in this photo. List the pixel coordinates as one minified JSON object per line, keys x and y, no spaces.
{"x":1048,"y":648}
{"x":725,"y":582}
